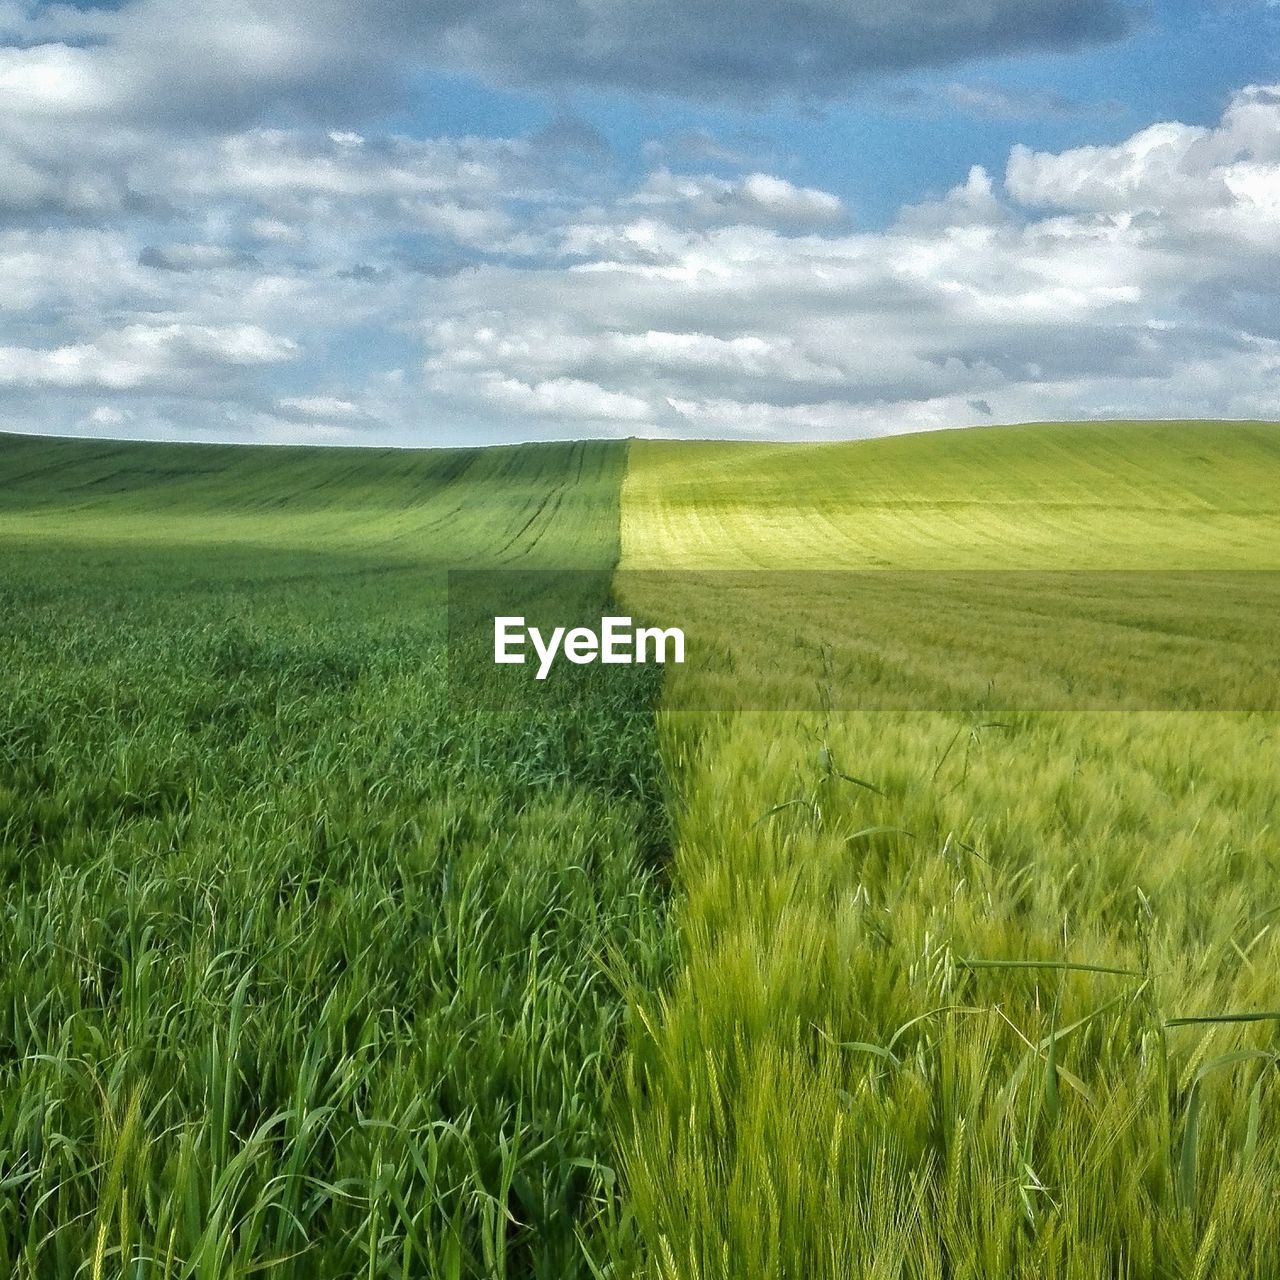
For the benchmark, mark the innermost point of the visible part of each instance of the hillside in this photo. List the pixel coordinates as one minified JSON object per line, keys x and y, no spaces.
{"x":548,"y":503}
{"x":1194,"y":494}
{"x":1086,"y":495}
{"x":970,"y":955}
{"x":316,"y":965}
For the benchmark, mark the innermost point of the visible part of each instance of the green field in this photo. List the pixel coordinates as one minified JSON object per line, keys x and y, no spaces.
{"x":311,"y":968}
{"x":307,"y":969}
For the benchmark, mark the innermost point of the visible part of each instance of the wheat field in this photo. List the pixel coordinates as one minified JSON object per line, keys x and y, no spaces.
{"x":962,"y":995}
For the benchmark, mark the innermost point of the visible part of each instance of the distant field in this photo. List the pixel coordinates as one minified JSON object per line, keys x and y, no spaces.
{"x":1065,"y":495}
{"x":310,"y":967}
{"x":1083,"y":564}
{"x":553,"y":505}
{"x":926,"y":1020}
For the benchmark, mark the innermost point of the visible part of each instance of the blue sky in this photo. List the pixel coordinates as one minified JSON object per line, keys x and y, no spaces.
{"x":894,"y":138}
{"x":394,"y":223}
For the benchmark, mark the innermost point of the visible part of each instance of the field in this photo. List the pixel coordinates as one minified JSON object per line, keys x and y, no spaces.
{"x":311,"y":968}
{"x":928,"y":1016}
{"x":306,"y":968}
{"x":1080,"y":496}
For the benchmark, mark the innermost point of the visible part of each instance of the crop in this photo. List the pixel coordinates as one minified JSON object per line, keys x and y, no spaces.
{"x":324,"y":955}
{"x":307,"y":967}
{"x":960,"y":995}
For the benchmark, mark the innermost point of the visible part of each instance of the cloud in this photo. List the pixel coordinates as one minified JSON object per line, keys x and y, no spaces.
{"x":140,"y":356}
{"x":337,"y":282}
{"x":801,"y":48}
{"x":228,"y":64}
{"x":46,"y":171}
{"x":319,"y":408}
{"x":757,"y":199}
{"x":225,"y":64}
{"x":456,"y":189}
{"x":562,"y":398}
{"x":989,"y":101}
{"x":107,"y":417}
{"x":974,"y":203}
{"x":1122,"y":281}
{"x":194,"y":257}
{"x":183,"y":186}
{"x":297,"y":165}
{"x":54,"y":80}
{"x":1167,"y":167}
{"x":698,"y":147}
{"x":566,"y":132}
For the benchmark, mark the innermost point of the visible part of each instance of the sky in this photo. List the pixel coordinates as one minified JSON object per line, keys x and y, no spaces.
{"x":396,"y":223}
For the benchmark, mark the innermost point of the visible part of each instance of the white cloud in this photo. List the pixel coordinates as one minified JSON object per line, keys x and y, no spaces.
{"x":1101,"y":281}
{"x":1168,"y":167}
{"x":310,"y":408}
{"x":106,"y":416}
{"x":142,"y":356}
{"x":563,"y":397}
{"x":54,"y":80}
{"x":758,"y":199}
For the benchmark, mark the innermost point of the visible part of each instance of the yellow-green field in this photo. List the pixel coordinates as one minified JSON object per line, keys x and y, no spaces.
{"x":886,"y":1053}
{"x":1077,"y":495}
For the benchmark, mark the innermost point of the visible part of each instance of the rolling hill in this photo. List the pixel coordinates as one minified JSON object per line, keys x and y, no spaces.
{"x":1064,"y":495}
